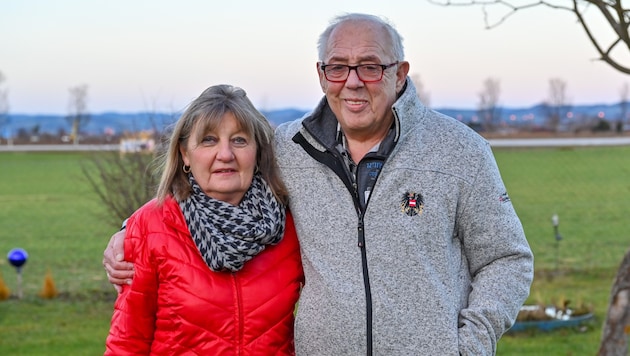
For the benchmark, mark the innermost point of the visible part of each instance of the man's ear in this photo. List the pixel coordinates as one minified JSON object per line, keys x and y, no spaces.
{"x":323,"y":83}
{"x":401,"y":75}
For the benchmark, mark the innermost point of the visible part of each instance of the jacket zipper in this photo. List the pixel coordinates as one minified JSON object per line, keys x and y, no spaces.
{"x":332,"y":160}
{"x":239,"y":314}
{"x":366,"y":284}
{"x":364,"y":263}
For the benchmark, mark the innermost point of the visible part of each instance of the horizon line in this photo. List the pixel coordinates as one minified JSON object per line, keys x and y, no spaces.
{"x":114,"y":111}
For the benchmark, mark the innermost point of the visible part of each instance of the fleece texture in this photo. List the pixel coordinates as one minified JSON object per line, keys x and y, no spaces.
{"x":447,"y":265}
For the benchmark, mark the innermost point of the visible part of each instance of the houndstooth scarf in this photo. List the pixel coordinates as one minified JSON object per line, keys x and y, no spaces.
{"x":228,"y":236}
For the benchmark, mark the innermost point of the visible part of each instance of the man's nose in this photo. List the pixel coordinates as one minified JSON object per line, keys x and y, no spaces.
{"x":353,"y":77}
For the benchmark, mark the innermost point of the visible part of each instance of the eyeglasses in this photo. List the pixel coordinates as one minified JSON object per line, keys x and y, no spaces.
{"x":367,"y":73}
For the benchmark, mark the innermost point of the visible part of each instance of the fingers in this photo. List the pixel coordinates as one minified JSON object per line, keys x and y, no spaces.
{"x":118,"y":277}
{"x":117,"y":243}
{"x":113,"y":256}
{"x":118,"y":271}
{"x":117,"y":282}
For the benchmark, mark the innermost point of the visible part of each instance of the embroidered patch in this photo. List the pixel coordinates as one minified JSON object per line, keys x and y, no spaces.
{"x":412,"y":204}
{"x":504,"y":198}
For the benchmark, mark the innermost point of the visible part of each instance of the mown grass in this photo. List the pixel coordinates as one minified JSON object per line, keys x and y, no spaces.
{"x":589,"y":189}
{"x":47,"y":208}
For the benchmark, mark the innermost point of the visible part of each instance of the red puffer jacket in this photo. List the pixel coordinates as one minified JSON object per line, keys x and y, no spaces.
{"x":176,"y":305}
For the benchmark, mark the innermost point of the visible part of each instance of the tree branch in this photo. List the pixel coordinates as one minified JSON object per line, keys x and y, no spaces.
{"x":612,"y":11}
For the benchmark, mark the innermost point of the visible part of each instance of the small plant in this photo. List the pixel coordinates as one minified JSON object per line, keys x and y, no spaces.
{"x":5,"y":293}
{"x":49,"y":291}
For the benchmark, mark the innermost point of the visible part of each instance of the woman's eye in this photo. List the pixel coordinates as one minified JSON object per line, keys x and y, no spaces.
{"x":240,"y":141}
{"x":209,"y":140}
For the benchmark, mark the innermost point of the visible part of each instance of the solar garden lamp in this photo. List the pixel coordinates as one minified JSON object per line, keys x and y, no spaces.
{"x":555,"y":221}
{"x":17,"y":258}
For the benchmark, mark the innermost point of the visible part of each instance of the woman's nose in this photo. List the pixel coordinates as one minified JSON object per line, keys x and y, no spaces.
{"x":225,"y":152}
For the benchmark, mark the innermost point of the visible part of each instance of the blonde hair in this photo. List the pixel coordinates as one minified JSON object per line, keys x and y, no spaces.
{"x":206,"y":113}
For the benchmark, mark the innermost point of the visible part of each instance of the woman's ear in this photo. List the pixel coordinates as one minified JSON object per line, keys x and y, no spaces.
{"x":182,"y":151}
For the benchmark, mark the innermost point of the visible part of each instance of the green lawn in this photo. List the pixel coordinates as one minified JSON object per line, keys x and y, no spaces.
{"x":589,"y":189}
{"x":47,"y":208}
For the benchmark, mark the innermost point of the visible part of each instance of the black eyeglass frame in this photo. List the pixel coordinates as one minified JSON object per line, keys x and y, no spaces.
{"x":356,"y":69}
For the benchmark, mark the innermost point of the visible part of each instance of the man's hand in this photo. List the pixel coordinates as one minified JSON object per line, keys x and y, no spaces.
{"x":118,"y":271}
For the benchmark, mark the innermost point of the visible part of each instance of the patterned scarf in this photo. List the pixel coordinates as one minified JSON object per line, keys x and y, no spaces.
{"x":228,"y":236}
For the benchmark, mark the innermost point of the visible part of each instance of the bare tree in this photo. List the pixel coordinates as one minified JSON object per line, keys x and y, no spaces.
{"x":4,"y":107}
{"x":123,"y":182}
{"x":488,"y":109}
{"x":557,"y":105}
{"x":623,"y":107}
{"x":612,"y":51}
{"x":423,"y":95}
{"x":614,"y":333}
{"x":78,"y":114}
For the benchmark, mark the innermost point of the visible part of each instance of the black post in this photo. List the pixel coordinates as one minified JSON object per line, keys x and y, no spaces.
{"x":555,"y":220}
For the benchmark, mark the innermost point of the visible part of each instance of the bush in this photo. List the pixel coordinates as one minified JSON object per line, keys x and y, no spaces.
{"x":123,"y":181}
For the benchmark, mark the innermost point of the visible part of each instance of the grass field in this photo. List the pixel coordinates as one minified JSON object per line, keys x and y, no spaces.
{"x":47,"y":208}
{"x":589,"y":189}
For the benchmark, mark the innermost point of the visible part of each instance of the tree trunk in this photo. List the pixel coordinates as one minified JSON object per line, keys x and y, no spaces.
{"x":617,"y":325}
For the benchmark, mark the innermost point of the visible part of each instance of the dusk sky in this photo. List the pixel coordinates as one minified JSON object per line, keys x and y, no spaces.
{"x":158,"y":55}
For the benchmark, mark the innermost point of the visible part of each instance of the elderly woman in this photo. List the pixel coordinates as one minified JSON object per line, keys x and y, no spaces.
{"x":216,"y":258}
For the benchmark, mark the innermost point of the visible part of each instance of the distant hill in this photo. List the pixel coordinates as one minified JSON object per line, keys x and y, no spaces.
{"x":118,"y":122}
{"x":131,"y":122}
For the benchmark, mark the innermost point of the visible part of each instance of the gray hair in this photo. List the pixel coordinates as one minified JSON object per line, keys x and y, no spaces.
{"x":398,"y":51}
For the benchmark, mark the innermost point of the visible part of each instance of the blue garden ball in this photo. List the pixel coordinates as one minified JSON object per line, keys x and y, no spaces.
{"x":17,"y":257}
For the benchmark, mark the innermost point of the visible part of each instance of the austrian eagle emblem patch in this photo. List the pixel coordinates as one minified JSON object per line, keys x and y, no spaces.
{"x":412,"y":204}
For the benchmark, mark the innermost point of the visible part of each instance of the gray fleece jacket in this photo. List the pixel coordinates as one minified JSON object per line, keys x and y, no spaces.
{"x":437,"y":264}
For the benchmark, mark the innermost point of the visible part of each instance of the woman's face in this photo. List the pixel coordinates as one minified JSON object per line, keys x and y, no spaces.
{"x":223,"y":162}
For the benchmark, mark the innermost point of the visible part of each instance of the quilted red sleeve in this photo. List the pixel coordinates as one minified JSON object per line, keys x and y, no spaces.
{"x":133,"y":321}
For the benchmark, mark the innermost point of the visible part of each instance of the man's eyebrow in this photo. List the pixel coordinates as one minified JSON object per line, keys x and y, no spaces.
{"x":369,"y":58}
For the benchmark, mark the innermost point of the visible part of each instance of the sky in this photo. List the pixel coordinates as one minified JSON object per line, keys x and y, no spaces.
{"x":158,"y":55}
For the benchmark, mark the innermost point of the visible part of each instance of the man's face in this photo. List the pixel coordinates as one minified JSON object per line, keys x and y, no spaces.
{"x":363,"y":109}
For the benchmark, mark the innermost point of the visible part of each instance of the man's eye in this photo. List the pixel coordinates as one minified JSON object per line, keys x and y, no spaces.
{"x":371,"y":68}
{"x":336,"y":68}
